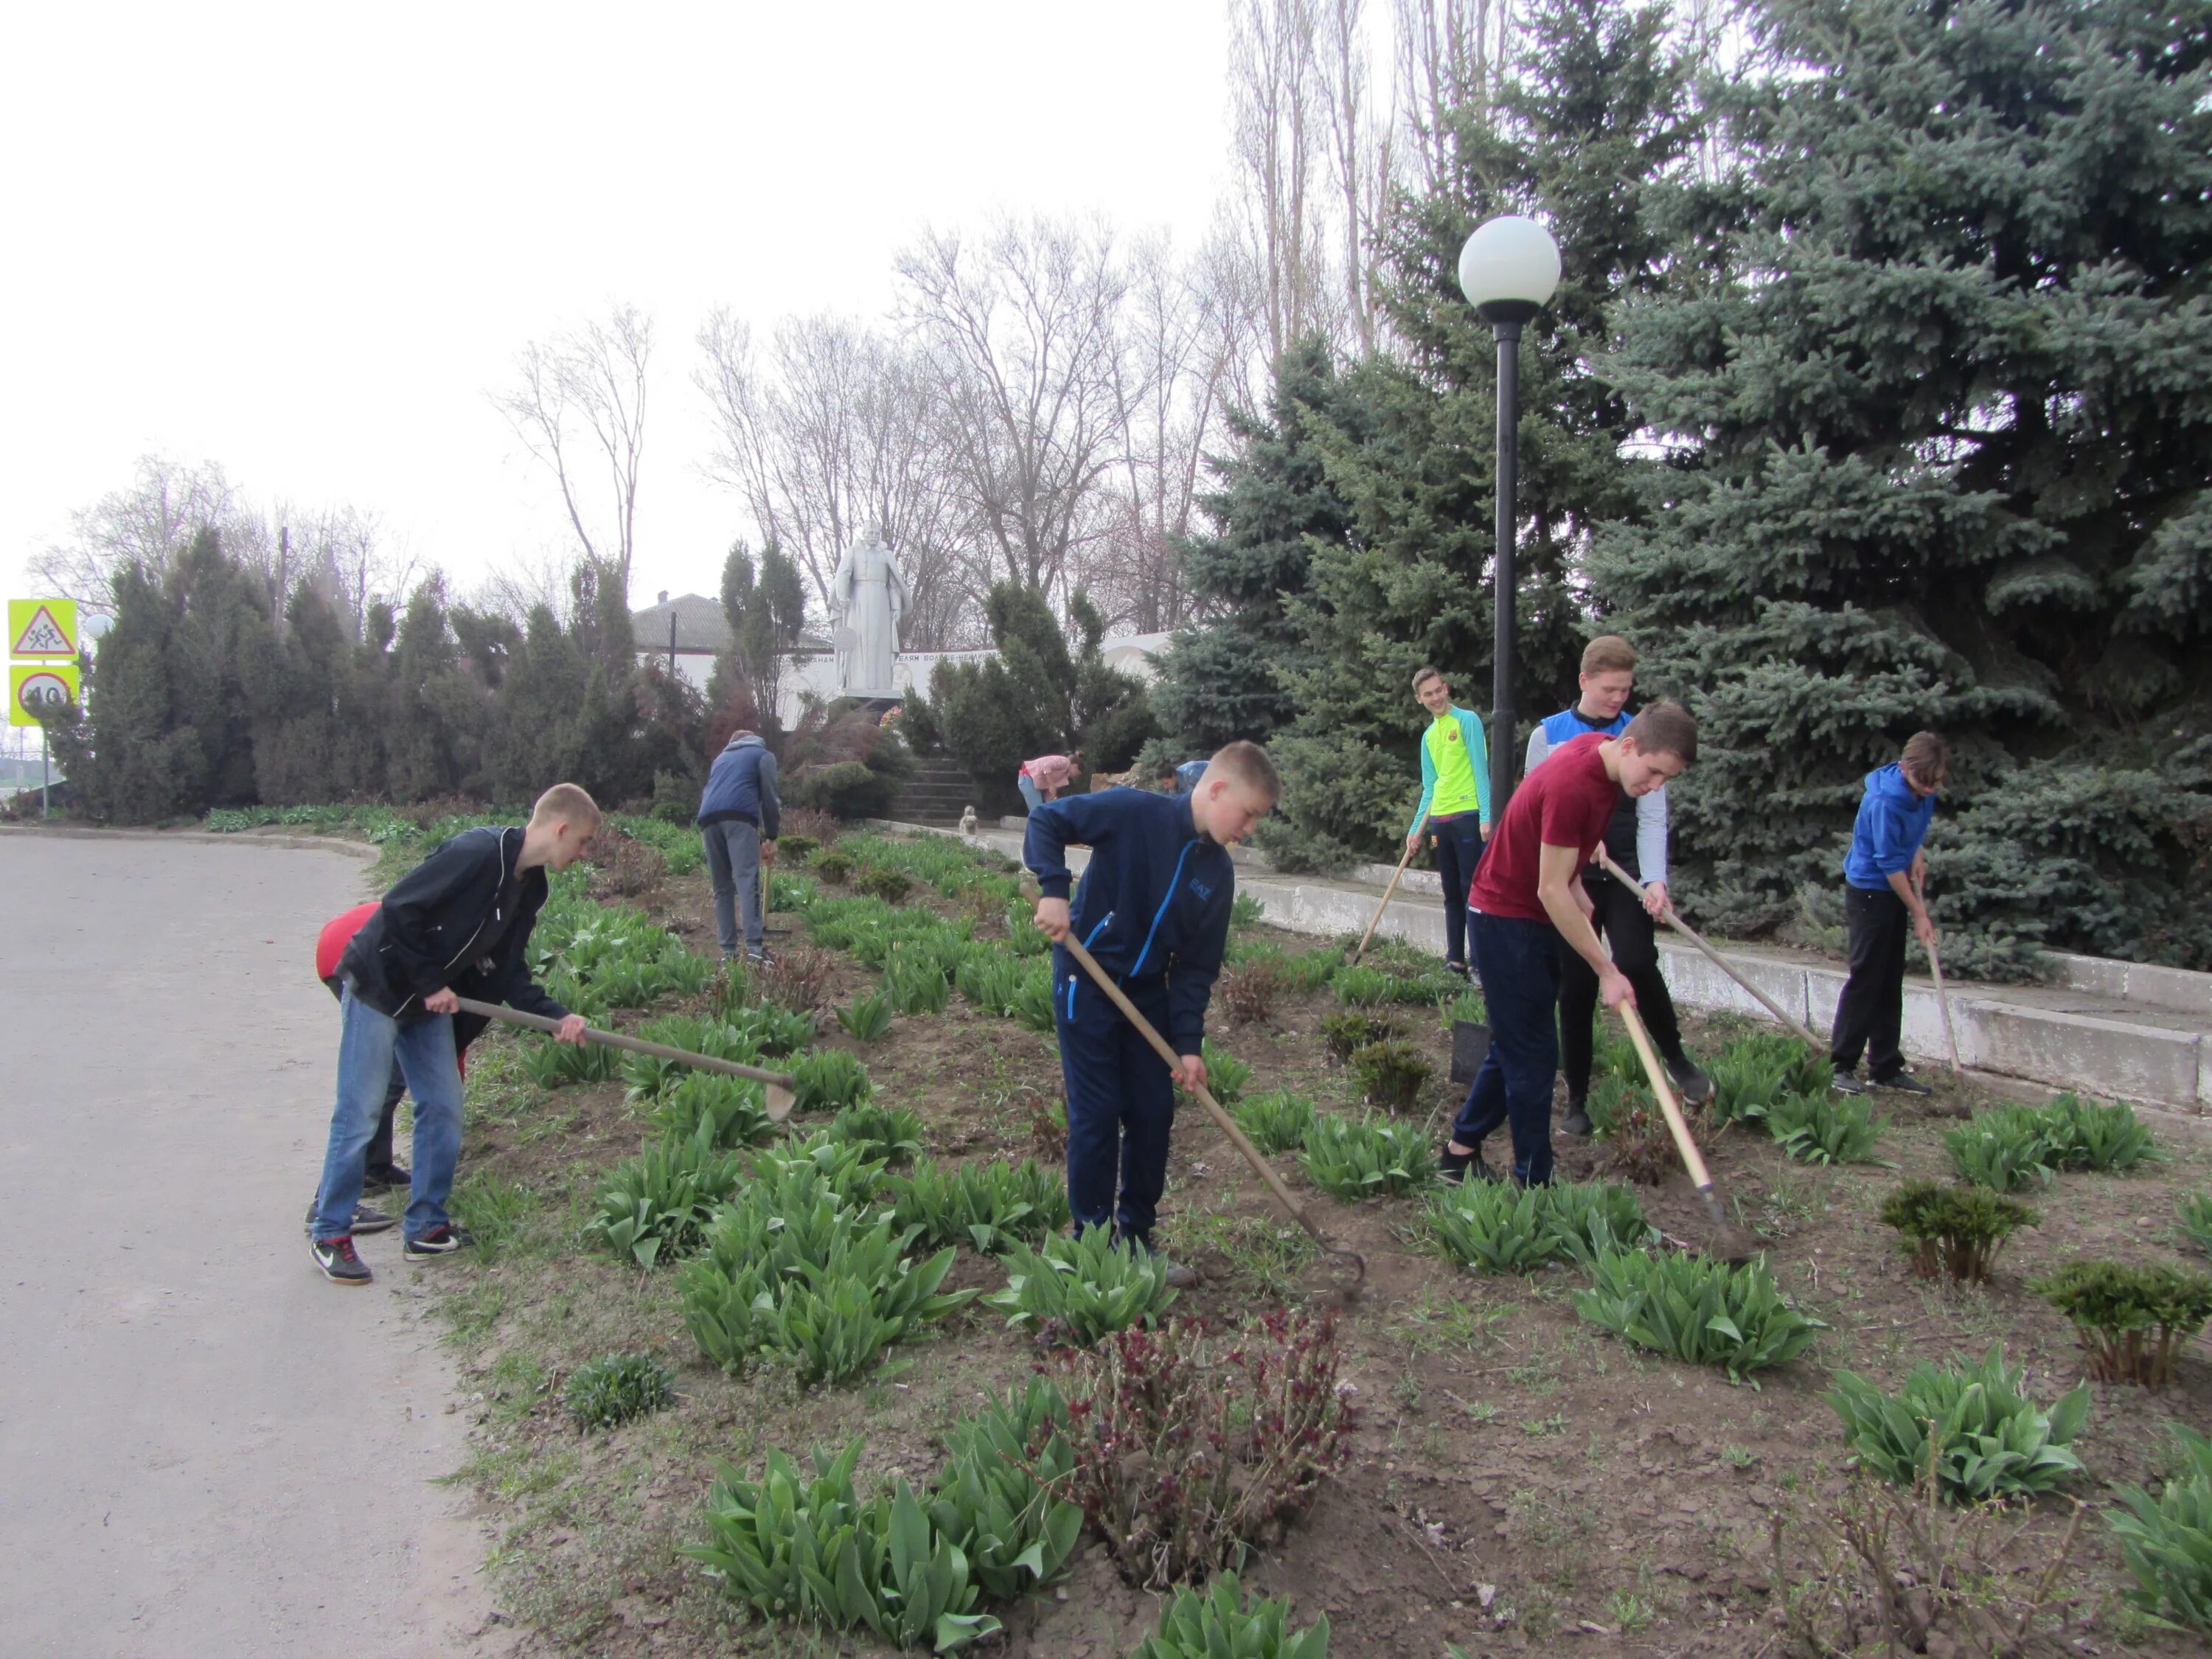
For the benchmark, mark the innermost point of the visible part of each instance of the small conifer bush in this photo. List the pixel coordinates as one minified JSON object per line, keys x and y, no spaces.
{"x":1391,"y":1074}
{"x":1954,"y":1231}
{"x":2133,"y":1320}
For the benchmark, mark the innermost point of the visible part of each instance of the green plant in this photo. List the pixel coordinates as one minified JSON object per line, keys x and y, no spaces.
{"x":1085,"y":1287}
{"x":1496,"y":1227}
{"x":796,"y":1548}
{"x":658,"y":1203}
{"x":1362,"y":987}
{"x":1362,"y":1157}
{"x":1825,"y":1128}
{"x":1467,"y":1007}
{"x":602,"y":1393}
{"x":914,"y":982}
{"x":1982,"y":1438}
{"x":986,"y":1205}
{"x":1219,"y":1624}
{"x":1002,"y":1494}
{"x":1033,"y":1008}
{"x":1027,"y":938}
{"x":796,"y":847}
{"x":890,"y":885}
{"x":2004,"y":1150}
{"x":829,"y":1080}
{"x":1345,"y":1033}
{"x":2195,"y":1212}
{"x":769,"y":1031}
{"x":890,"y":1135}
{"x":1695,"y":1308}
{"x":2085,"y":1135}
{"x":1953,"y":1230}
{"x":736,"y":1108}
{"x":1245,"y":911}
{"x":989,"y":979}
{"x":867,"y":1018}
{"x":2132,"y":1320}
{"x":1392,"y":1074}
{"x":2167,"y":1542}
{"x":1751,"y":1075}
{"x":1276,"y":1121}
{"x":1226,"y":1075}
{"x":832,"y":866}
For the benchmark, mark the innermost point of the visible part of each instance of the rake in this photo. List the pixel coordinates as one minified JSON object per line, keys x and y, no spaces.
{"x":778,"y":1084}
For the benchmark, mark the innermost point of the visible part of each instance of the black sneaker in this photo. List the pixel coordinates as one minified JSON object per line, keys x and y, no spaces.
{"x":340,"y":1264}
{"x":365,"y":1220}
{"x":389,"y":1179}
{"x":438,"y":1241}
{"x":1847,"y":1083}
{"x":1903,"y":1083}
{"x":1694,"y":1087}
{"x":1455,"y":1167}
{"x":1576,"y":1121}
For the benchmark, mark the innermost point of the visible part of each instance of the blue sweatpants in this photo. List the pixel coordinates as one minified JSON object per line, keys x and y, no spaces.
{"x":1519,"y":963}
{"x":1121,"y":1101}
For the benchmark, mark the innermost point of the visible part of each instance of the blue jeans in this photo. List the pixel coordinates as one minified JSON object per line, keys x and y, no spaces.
{"x":1459,"y":850}
{"x":1519,"y":963}
{"x":1120,"y":1103}
{"x":1032,"y":795}
{"x":733,"y":864}
{"x":369,"y":1044}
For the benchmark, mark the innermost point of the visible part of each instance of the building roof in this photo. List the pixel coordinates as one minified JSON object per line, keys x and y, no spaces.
{"x":700,"y":625}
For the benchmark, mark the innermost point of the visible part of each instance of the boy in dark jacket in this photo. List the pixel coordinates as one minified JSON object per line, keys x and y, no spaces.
{"x":456,"y":924}
{"x":1883,"y":874}
{"x":1154,"y":912}
{"x":739,"y":816}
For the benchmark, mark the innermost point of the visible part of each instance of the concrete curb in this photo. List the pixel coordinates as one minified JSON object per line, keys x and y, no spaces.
{"x":360,"y":849}
{"x":2058,"y":1048}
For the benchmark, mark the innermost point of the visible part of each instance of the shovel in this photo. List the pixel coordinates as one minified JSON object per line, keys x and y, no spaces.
{"x":1227,"y":1124}
{"x":1690,"y":934}
{"x":777,"y":1083}
{"x":1376,"y":920}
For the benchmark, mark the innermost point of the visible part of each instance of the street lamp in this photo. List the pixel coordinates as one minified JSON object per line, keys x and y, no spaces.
{"x":1508,"y":269}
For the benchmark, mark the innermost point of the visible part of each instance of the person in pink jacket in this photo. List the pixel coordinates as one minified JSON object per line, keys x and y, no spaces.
{"x":1042,"y":779}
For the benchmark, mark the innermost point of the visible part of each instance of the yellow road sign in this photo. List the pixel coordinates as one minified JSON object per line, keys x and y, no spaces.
{"x":42,"y":628}
{"x":33,"y":686}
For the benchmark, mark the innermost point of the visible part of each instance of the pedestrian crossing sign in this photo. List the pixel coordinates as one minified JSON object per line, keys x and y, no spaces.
{"x":40,"y":688}
{"x":42,"y":628}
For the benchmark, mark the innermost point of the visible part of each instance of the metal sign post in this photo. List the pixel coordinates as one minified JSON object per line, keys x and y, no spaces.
{"x":42,"y":634}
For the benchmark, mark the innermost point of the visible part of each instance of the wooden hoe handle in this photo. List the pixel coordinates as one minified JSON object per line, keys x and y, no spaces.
{"x":778,"y":1084}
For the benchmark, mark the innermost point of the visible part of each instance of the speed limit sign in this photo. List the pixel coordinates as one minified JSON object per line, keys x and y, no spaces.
{"x":40,"y":688}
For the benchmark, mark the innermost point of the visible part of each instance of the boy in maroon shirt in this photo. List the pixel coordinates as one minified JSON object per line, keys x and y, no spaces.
{"x":1525,"y":901}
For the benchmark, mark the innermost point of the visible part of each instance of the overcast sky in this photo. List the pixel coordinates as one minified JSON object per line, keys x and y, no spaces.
{"x":306,"y":243}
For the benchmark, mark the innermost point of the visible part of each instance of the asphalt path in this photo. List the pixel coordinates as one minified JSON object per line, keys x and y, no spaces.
{"x":205,"y":1448}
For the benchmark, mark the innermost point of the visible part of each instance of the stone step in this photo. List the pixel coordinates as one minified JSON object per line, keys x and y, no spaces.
{"x":2070,"y":1035}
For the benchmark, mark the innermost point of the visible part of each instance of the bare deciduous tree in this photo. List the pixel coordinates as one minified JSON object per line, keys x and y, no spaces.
{"x":1280,"y":141}
{"x":837,"y":433}
{"x":1359,"y":158}
{"x":1019,"y":330}
{"x":150,"y":523}
{"x":579,"y":407}
{"x":1449,"y":53}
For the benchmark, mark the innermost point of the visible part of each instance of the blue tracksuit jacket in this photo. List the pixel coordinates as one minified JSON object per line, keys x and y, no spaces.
{"x":1155,"y":899}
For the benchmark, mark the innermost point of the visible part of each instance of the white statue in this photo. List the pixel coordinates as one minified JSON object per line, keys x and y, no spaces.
{"x":868,"y":597}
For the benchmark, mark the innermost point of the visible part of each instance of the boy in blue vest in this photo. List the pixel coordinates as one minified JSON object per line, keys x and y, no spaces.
{"x":739,"y":814}
{"x":1883,"y":874}
{"x":1455,"y":803}
{"x":1637,"y":839}
{"x":1153,"y":911}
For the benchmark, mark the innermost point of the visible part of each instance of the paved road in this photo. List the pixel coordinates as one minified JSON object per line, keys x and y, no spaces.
{"x":205,"y":1449}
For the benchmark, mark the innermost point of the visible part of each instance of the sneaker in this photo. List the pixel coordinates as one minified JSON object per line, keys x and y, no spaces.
{"x":1694,"y":1087}
{"x":388,"y":1179}
{"x":1847,"y":1083}
{"x":757,"y":955}
{"x":339,"y":1262}
{"x":1576,"y":1121}
{"x":1458,"y":968}
{"x":1455,"y":1167}
{"x":365,"y":1220}
{"x":438,"y":1241}
{"x":1903,"y":1083}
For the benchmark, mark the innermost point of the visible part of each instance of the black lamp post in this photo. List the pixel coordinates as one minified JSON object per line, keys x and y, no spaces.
{"x":1508,"y":268}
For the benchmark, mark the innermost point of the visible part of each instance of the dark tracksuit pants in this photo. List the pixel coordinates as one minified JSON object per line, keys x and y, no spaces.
{"x":1121,"y":1101}
{"x":1459,"y":850}
{"x":1620,"y":916}
{"x":1519,"y":963}
{"x":1871,"y":1012}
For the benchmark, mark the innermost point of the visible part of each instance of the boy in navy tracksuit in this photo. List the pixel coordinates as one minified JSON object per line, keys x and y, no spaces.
{"x":1153,"y":911}
{"x":1883,"y":875}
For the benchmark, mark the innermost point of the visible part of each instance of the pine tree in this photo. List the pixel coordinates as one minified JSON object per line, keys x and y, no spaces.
{"x":1597,"y":114}
{"x":1938,"y":403}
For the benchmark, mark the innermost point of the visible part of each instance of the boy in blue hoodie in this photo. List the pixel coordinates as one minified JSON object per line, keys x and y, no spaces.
{"x":1153,"y":911}
{"x":1883,"y":874}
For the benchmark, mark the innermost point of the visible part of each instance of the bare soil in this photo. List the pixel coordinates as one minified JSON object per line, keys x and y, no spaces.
{"x":1522,"y":1480}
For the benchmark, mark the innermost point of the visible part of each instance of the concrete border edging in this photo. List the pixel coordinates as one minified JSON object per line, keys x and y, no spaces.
{"x":360,"y":849}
